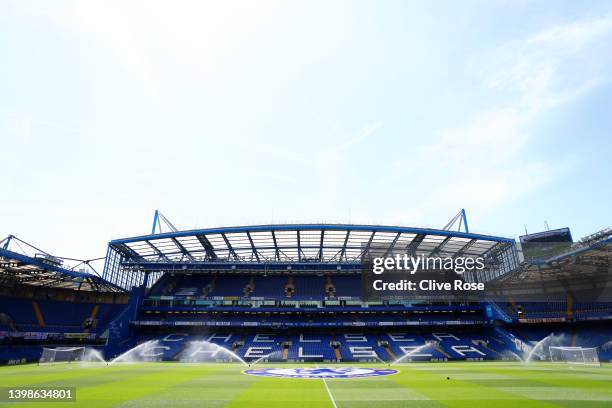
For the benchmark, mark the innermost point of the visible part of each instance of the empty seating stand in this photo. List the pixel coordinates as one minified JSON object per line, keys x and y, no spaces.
{"x":57,"y":316}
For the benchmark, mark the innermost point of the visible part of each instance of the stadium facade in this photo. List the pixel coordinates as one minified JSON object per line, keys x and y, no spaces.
{"x":293,"y":292}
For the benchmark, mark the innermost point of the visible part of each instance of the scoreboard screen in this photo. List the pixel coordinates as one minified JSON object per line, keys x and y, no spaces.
{"x":557,"y":235}
{"x":546,"y":244}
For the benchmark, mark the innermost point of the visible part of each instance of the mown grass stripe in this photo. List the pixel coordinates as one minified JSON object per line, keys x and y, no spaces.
{"x":451,"y":391}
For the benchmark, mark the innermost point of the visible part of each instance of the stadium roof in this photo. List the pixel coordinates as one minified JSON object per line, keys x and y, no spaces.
{"x":23,"y":263}
{"x":322,"y":243}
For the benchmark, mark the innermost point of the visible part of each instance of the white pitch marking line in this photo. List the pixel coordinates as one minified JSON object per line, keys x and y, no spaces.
{"x":331,"y":397}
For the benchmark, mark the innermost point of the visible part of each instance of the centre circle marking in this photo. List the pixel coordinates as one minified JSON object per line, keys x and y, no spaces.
{"x":320,"y":373}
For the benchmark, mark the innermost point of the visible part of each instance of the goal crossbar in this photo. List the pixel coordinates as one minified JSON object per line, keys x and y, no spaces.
{"x":575,"y":355}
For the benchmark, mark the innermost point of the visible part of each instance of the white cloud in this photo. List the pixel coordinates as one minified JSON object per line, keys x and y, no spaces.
{"x":362,"y":134}
{"x":484,"y":162}
{"x":155,"y":41}
{"x":554,"y":65}
{"x":573,"y":36}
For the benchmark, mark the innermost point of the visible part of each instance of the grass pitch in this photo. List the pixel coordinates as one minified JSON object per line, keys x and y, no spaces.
{"x":477,"y":384}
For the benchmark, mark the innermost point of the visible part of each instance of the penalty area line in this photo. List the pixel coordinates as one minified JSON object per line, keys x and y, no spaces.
{"x":331,"y":396}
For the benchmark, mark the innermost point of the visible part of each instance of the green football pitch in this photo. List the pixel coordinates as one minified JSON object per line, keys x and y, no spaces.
{"x":467,"y":384}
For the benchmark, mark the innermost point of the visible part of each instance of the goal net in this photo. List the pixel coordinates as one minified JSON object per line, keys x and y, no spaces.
{"x":575,"y":355}
{"x":61,"y":354}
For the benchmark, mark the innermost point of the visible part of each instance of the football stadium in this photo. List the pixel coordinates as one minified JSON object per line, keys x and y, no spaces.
{"x":279,"y":315}
{"x":364,"y":204}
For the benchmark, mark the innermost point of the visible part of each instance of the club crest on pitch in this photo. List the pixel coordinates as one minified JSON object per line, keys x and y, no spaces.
{"x":321,"y":373}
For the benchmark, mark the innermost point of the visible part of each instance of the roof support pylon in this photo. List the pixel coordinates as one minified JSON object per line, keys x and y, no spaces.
{"x":459,"y":219}
{"x":158,"y":218}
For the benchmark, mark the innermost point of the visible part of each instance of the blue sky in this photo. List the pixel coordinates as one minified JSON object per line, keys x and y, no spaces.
{"x":232,"y":113}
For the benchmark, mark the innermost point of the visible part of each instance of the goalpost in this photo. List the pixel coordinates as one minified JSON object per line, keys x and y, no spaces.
{"x":61,"y":355}
{"x":575,"y":355}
